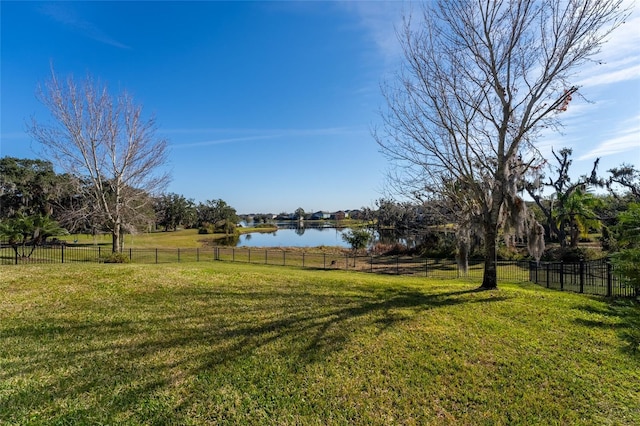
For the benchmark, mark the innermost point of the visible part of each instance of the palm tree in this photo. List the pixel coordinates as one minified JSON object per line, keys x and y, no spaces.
{"x":22,"y":231}
{"x":576,"y":214}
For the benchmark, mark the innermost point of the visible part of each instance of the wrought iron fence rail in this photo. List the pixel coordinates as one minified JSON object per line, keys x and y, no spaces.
{"x":593,"y":277}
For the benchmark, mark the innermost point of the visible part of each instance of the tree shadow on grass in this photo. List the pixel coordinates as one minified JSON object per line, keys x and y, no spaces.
{"x":122,"y":363}
{"x":622,"y":315}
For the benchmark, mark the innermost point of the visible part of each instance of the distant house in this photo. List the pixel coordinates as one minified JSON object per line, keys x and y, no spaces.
{"x":320,"y":215}
{"x":339,"y":215}
{"x":285,"y":216}
{"x":354,"y":214}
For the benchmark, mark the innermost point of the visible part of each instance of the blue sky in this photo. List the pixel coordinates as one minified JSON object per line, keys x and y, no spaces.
{"x":270,"y":105}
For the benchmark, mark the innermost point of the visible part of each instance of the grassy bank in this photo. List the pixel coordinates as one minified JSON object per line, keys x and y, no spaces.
{"x":183,"y":238}
{"x":224,"y":343}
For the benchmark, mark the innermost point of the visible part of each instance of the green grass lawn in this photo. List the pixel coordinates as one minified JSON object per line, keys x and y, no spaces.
{"x":223,"y":343}
{"x":183,"y":238}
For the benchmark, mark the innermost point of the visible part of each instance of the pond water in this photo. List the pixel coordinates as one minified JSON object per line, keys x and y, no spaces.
{"x":295,"y":237}
{"x":291,"y":234}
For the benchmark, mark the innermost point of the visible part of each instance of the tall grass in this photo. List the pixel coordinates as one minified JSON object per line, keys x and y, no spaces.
{"x":221,"y":343}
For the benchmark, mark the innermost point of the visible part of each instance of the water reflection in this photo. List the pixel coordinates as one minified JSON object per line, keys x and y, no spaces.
{"x":231,"y":240}
{"x":294,"y":234}
{"x":314,"y":234}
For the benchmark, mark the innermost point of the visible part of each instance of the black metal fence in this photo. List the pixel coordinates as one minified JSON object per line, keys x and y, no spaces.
{"x":592,"y":277}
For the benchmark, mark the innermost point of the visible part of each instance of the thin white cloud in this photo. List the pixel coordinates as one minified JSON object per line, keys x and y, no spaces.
{"x":257,"y":134}
{"x":285,"y":131}
{"x":627,"y":139}
{"x":619,"y":59}
{"x":624,"y":38}
{"x":66,"y":15}
{"x":615,"y":76}
{"x":223,"y":141}
{"x":381,"y":19}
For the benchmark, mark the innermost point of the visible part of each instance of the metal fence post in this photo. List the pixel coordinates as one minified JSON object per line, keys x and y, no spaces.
{"x":197,"y":254}
{"x":156,"y":255}
{"x":249,"y":255}
{"x":398,"y":264}
{"x":303,"y":259}
{"x":561,"y":275}
{"x":581,"y":276}
{"x":284,"y":258}
{"x":548,"y":272}
{"x":609,"y":280}
{"x":61,"y":253}
{"x":178,"y":255}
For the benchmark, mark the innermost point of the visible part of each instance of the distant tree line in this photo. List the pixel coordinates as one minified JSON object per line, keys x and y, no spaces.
{"x":37,"y":203}
{"x":569,"y":210}
{"x":31,"y":192}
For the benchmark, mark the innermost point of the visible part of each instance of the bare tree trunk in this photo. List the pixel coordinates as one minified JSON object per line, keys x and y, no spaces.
{"x":479,"y":82}
{"x":490,"y":276}
{"x":574,"y":233}
{"x":562,"y":234}
{"x":115,"y":238}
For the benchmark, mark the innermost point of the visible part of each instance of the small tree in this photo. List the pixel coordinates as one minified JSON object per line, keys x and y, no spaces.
{"x":105,"y":142}
{"x":357,"y":239}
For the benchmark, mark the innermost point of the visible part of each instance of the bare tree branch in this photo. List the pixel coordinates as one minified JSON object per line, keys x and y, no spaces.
{"x":106,"y":142}
{"x":480,"y":80}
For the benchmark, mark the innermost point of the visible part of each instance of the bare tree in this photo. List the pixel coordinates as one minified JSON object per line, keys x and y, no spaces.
{"x":480,"y":80}
{"x":105,"y":142}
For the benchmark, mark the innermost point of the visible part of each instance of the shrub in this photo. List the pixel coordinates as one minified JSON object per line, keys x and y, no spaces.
{"x":114,"y":258}
{"x":571,"y":254}
{"x":380,"y":248}
{"x":357,"y":238}
{"x":438,"y":245}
